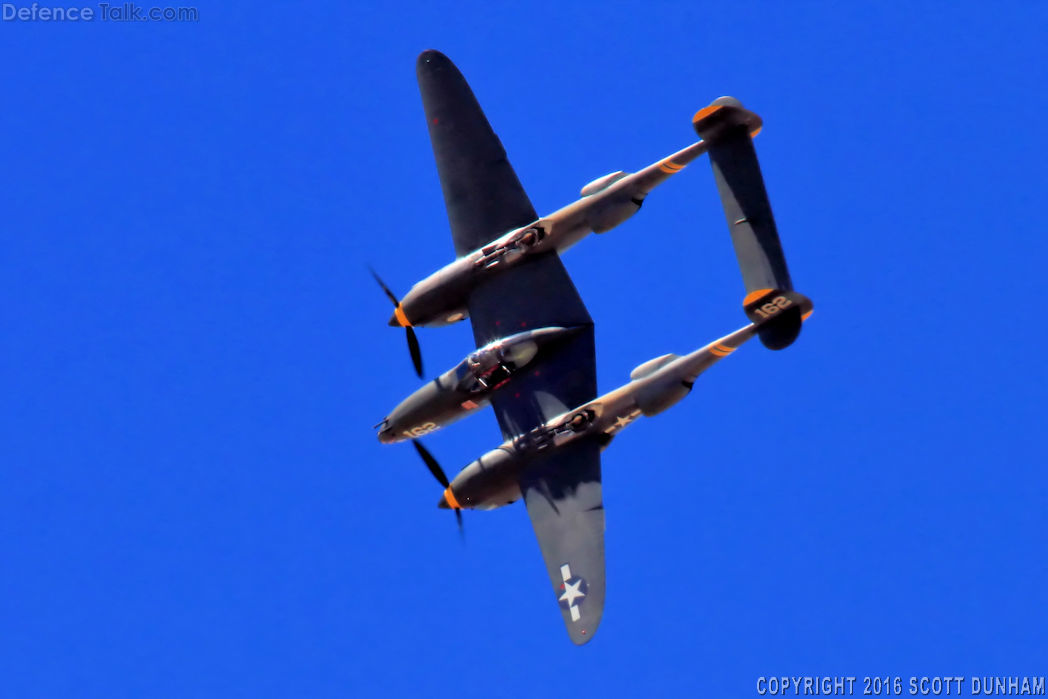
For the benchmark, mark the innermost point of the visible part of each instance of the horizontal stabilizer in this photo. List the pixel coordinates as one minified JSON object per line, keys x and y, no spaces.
{"x":778,"y":315}
{"x":729,"y":128}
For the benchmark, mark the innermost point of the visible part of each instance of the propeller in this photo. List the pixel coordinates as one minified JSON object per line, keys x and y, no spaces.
{"x":438,"y":473}
{"x":413,"y":347}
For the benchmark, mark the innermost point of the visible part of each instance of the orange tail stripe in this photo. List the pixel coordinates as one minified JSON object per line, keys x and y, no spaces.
{"x":754,"y":295}
{"x":705,"y":112}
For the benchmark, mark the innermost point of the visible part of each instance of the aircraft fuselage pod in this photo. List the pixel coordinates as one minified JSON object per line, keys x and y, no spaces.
{"x":441,"y":298}
{"x":467,"y":386}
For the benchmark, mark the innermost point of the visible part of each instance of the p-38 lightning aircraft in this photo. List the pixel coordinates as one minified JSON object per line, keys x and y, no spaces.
{"x":535,"y":363}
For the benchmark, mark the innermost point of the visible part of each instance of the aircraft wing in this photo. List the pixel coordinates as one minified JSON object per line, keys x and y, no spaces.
{"x":537,"y":293}
{"x":484,"y":199}
{"x":562,"y":492}
{"x":482,"y":194}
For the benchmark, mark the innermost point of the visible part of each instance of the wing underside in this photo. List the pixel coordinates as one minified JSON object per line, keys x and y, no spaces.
{"x":484,"y":199}
{"x":562,"y":491}
{"x":482,"y":194}
{"x":537,"y":293}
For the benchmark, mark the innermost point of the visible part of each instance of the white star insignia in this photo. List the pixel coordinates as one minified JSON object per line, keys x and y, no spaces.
{"x":622,"y":421}
{"x":572,"y":592}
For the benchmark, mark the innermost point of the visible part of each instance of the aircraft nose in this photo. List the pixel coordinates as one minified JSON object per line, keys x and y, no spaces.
{"x":443,"y":504}
{"x":394,"y":322}
{"x":385,"y":434}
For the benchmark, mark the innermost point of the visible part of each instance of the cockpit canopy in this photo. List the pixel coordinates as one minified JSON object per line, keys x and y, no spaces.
{"x":493,"y":365}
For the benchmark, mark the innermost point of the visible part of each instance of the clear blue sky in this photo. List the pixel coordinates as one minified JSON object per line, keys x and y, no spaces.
{"x":192,"y":500}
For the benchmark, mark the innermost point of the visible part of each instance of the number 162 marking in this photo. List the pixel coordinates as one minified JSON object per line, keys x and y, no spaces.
{"x":772,"y":307}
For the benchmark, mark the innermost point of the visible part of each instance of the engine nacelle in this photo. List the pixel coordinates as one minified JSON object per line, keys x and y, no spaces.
{"x":488,"y":482}
{"x":611,"y":211}
{"x":511,"y":247}
{"x":659,"y":395}
{"x":602,"y":183}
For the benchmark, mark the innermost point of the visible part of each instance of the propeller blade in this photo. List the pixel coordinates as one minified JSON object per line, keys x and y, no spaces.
{"x":438,"y":473}
{"x":413,"y":346}
{"x":415,"y":350}
{"x":431,"y":463}
{"x":392,"y":297}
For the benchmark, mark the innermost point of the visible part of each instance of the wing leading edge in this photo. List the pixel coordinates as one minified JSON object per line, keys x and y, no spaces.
{"x":562,"y":491}
{"x":482,"y":194}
